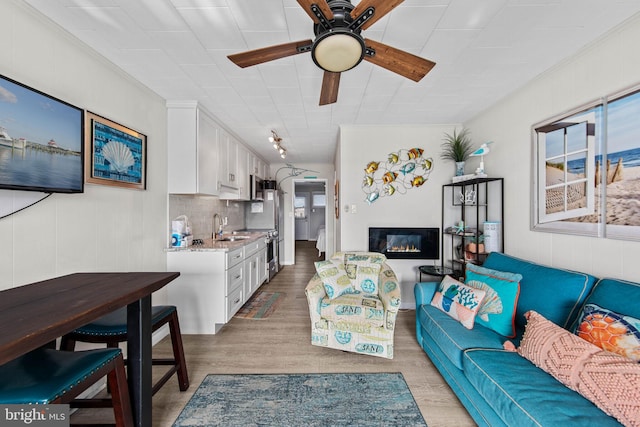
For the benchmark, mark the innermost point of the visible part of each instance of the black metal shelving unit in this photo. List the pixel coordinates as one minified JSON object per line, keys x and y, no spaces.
{"x":458,"y":205}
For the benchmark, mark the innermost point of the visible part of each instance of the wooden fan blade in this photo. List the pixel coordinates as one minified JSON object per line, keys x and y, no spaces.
{"x":404,"y":63}
{"x":266,"y":54}
{"x":382,"y":7}
{"x":330,"y":84}
{"x":322,"y":4}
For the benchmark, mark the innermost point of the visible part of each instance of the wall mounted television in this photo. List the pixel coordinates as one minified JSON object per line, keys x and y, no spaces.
{"x":41,"y":141}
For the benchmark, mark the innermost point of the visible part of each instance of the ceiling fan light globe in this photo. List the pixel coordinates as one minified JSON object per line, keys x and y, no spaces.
{"x":338,"y":51}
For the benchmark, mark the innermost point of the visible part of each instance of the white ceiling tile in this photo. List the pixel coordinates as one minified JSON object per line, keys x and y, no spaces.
{"x":215,"y":27}
{"x":483,"y":50}
{"x":470,"y":14}
{"x":153,"y":14}
{"x":410,"y":27}
{"x":262,"y":15}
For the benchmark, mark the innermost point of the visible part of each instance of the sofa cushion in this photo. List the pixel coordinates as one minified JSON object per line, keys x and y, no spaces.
{"x":610,"y":381}
{"x":569,"y":289}
{"x":334,"y":277}
{"x":451,"y":337}
{"x":524,"y":395}
{"x":458,"y":300}
{"x":354,"y":308}
{"x":610,"y":331}
{"x":498,"y":308}
{"x":616,"y":295}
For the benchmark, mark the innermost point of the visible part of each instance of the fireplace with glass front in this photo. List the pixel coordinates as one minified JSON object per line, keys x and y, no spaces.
{"x":405,"y":243}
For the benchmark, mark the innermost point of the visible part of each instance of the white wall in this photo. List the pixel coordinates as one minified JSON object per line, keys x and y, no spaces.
{"x":104,"y":229}
{"x":322,"y":171}
{"x":419,"y":207}
{"x":610,"y":64}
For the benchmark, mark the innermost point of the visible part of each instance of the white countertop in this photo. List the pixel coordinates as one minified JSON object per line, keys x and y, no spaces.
{"x":222,"y":245}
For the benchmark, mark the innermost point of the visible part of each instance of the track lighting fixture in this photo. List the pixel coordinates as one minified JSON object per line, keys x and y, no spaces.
{"x":276,"y":141}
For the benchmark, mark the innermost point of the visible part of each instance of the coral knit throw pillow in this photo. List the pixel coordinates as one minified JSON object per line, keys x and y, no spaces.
{"x":610,"y":381}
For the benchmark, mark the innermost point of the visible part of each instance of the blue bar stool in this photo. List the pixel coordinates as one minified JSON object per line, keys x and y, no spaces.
{"x":112,"y":330}
{"x":47,"y":376}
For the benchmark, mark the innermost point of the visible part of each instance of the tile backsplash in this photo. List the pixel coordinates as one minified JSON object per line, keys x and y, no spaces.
{"x":200,"y":210}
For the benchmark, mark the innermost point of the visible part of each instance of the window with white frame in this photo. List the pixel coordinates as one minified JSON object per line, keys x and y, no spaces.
{"x":566,"y":169}
{"x":587,"y":169}
{"x":300,"y":207}
{"x":319,"y":199}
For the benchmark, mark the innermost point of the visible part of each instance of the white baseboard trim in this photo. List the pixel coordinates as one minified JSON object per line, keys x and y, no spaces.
{"x":411,"y":305}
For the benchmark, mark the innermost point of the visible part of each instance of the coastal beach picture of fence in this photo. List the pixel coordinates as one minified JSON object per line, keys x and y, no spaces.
{"x":619,"y":171}
{"x":116,"y":155}
{"x":623,"y":161}
{"x":41,"y":141}
{"x":582,"y":167}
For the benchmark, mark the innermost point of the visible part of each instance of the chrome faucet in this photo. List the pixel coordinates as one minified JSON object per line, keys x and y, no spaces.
{"x":218,"y":233}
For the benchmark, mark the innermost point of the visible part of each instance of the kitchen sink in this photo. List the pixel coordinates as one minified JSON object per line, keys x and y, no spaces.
{"x":232,"y":238}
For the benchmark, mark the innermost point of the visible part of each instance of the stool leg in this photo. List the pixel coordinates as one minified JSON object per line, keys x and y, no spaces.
{"x":120,"y":395}
{"x":178,"y":352}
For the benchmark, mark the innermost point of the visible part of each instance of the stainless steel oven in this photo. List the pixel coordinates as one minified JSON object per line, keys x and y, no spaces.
{"x":272,"y":250}
{"x":272,"y":253}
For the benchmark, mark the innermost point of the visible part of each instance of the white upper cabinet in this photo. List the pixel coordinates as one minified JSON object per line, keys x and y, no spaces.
{"x":193,"y":150}
{"x":243,"y":172}
{"x":228,"y":167}
{"x":257,"y":167}
{"x":204,"y":158}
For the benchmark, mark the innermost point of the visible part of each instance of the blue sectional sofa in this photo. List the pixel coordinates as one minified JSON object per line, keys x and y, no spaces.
{"x":498,"y":387}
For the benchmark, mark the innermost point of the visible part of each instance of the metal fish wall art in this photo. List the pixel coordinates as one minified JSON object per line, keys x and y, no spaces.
{"x":404,"y":169}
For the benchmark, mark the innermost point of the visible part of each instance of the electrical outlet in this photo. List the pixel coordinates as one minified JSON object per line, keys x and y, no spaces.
{"x":354,"y":209}
{"x":225,"y":220}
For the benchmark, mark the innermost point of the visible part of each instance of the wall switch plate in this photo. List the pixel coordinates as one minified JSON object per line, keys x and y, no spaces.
{"x":354,"y":209}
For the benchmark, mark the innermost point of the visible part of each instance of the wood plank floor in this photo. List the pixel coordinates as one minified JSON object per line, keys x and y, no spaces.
{"x":281,"y":344}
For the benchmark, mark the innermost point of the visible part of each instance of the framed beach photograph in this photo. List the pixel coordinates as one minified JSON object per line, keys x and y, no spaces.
{"x":41,"y":141}
{"x":586,"y":180}
{"x":115,"y":154}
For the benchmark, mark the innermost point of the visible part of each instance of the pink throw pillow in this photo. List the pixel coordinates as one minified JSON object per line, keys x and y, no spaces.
{"x":610,"y":381}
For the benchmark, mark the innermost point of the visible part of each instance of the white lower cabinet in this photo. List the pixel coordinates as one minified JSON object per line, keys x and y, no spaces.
{"x":213,"y":285}
{"x":253,"y":266}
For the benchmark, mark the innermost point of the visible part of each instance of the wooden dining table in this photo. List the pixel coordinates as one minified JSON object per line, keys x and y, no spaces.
{"x":33,"y":315}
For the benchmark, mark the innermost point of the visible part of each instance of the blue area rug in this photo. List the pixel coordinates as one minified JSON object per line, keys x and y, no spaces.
{"x":380,"y":399}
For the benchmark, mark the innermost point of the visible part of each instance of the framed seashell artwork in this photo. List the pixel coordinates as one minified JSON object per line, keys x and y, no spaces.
{"x":114,"y":154}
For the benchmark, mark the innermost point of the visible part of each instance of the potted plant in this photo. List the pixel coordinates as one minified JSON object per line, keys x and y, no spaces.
{"x":458,"y":148}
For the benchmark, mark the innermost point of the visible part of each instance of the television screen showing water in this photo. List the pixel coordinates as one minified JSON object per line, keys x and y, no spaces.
{"x":41,"y":141}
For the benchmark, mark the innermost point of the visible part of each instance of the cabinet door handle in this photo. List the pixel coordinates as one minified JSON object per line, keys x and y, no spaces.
{"x":238,"y":276}
{"x":236,"y":301}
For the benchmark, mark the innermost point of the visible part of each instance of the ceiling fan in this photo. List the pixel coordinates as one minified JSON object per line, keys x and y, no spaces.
{"x":339,"y":45}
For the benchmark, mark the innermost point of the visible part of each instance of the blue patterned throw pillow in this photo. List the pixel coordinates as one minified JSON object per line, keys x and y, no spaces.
{"x":498,"y":309}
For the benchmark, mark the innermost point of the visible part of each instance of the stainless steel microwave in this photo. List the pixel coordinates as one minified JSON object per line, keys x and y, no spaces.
{"x":256,"y":188}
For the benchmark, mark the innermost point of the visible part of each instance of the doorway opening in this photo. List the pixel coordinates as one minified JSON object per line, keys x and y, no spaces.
{"x":310,"y":214}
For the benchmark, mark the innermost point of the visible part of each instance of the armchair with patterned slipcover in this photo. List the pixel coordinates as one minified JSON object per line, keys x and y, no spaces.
{"x":353,"y":302}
